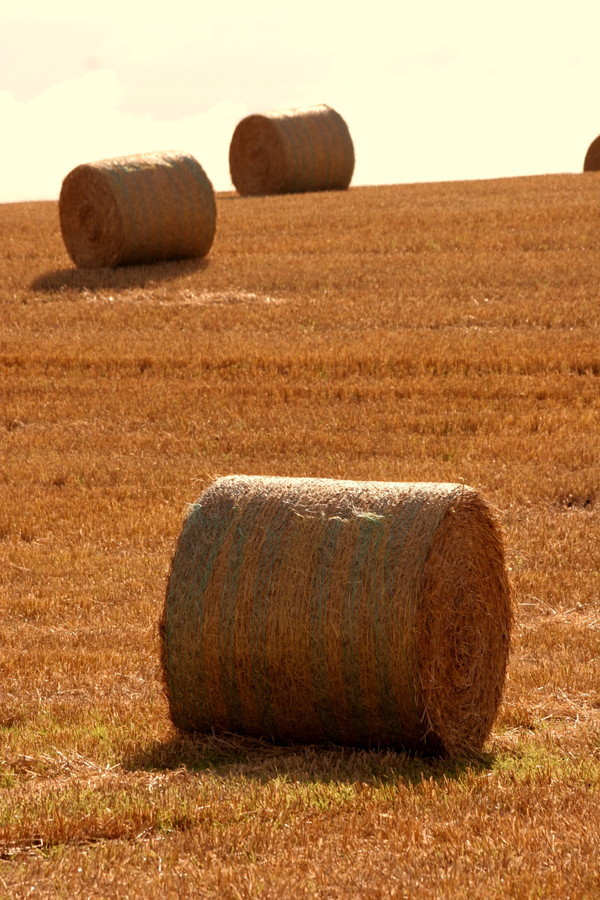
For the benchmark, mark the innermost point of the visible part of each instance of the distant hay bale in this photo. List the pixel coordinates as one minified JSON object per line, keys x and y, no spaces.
{"x":591,"y":162}
{"x":137,"y":209}
{"x":290,"y":151}
{"x":368,"y":614}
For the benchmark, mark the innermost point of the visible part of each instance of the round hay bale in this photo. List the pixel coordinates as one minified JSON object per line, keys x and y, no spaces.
{"x":291,"y":151}
{"x":368,"y":614}
{"x":137,"y":209}
{"x":591,"y":162}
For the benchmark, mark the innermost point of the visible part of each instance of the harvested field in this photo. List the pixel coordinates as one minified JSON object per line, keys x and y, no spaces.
{"x":442,"y":332}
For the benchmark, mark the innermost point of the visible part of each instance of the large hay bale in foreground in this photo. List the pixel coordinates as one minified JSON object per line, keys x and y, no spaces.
{"x":137,"y":209}
{"x":290,"y":151}
{"x":591,"y":162}
{"x":369,"y":614}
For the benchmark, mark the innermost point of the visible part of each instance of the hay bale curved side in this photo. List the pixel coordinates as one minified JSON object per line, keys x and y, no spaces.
{"x":591,"y":162}
{"x":137,"y":209}
{"x":368,"y":614}
{"x":291,"y":151}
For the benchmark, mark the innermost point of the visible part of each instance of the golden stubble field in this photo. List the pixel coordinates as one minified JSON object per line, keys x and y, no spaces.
{"x":442,"y":332}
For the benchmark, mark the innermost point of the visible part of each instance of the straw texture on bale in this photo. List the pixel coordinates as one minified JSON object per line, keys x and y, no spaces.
{"x":362,"y":613}
{"x":591,"y":162}
{"x":291,"y":151}
{"x":137,"y":209}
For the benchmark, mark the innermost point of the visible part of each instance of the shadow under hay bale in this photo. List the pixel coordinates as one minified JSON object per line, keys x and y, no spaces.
{"x":291,"y":151}
{"x":366,"y":614}
{"x":137,"y":209}
{"x":119,"y":278}
{"x":591,"y":162}
{"x":238,"y":755}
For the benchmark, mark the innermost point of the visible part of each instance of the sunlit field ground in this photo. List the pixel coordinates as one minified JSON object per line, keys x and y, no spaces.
{"x":445,"y":332}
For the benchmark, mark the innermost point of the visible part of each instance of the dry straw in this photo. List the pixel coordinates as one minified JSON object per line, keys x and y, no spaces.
{"x":290,"y":151}
{"x":137,"y":209}
{"x":369,"y":614}
{"x":591,"y":162}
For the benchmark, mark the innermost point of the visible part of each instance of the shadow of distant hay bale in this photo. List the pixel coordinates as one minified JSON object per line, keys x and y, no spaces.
{"x":122,"y":277}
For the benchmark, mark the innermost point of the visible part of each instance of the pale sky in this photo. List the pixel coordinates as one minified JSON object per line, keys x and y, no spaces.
{"x":432,"y":90}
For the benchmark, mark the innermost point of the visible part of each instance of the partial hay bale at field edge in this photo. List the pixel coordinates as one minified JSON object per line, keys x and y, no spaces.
{"x":291,"y":151}
{"x":363,"y":613}
{"x":137,"y":209}
{"x":591,"y":162}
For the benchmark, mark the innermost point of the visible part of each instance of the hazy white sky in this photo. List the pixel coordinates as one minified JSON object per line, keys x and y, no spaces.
{"x":431,"y":90}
